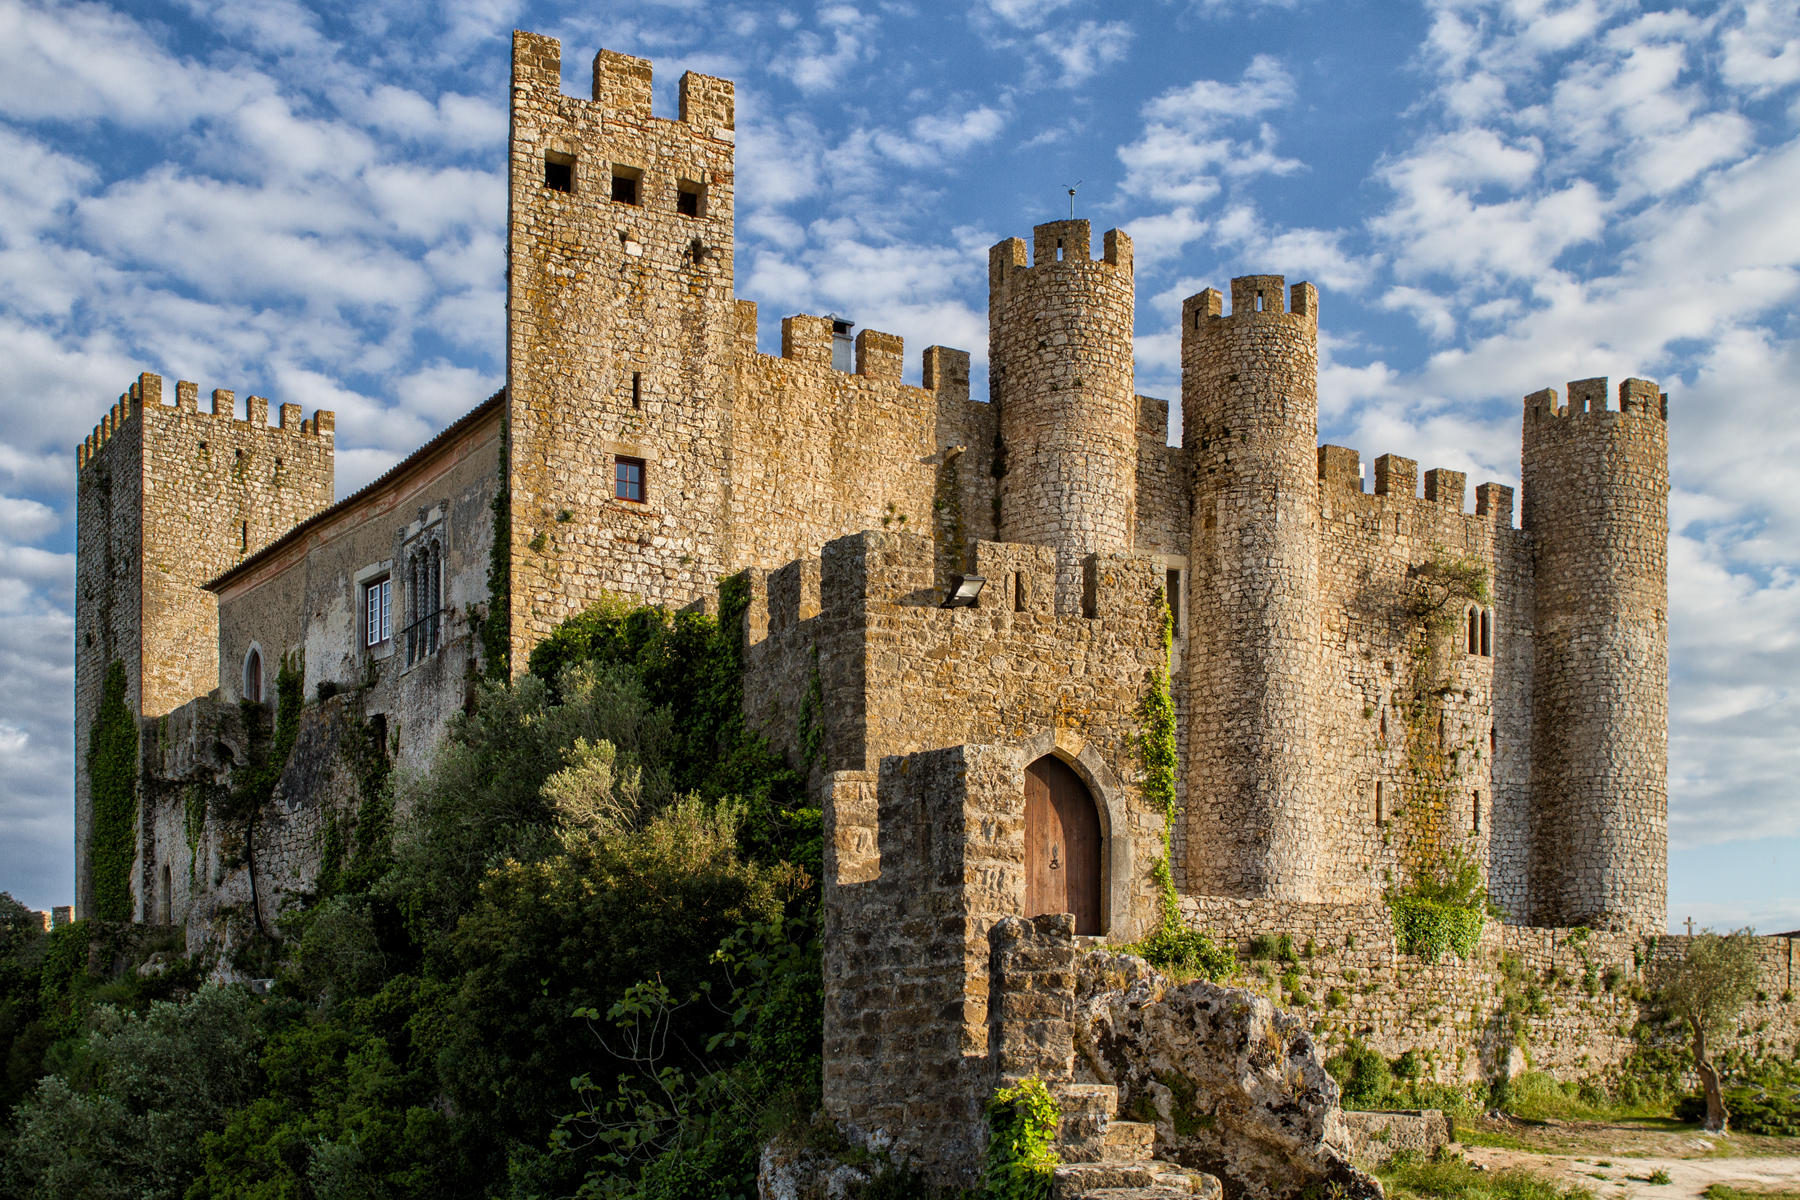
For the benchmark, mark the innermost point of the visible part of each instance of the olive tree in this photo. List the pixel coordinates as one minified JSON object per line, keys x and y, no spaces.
{"x":1705,"y":986}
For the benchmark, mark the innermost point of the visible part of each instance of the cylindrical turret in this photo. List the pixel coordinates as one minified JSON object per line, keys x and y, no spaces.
{"x":1250,"y":419}
{"x":1597,"y":506}
{"x":1059,"y":349}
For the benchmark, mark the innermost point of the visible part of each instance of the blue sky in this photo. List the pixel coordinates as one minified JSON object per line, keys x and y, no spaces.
{"x":306,"y":201}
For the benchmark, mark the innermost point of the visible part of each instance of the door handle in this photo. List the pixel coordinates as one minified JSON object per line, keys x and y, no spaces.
{"x":1055,"y":858}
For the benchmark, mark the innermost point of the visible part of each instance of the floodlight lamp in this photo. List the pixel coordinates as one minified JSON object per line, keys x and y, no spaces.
{"x":964,"y":591}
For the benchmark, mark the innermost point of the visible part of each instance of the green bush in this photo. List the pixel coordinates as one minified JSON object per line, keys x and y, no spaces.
{"x":1021,"y":1154}
{"x":1363,"y":1076}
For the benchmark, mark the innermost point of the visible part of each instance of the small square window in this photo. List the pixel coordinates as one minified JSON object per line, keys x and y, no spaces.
{"x":628,"y":479}
{"x":625,"y":182}
{"x":690,"y":199}
{"x":378,"y":605}
{"x":559,"y":171}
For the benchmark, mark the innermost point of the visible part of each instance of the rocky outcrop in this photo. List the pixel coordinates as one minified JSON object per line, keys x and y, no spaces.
{"x":1235,"y":1087}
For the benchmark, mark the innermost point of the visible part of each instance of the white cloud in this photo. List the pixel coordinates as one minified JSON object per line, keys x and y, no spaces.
{"x":1184,"y":150}
{"x":1085,"y":50}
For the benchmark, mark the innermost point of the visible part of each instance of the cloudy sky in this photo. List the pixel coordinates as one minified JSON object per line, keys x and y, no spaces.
{"x":306,"y":201}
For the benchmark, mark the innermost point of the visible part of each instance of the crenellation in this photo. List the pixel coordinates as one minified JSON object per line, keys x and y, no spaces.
{"x":806,"y":339}
{"x":945,"y":372}
{"x":187,"y":396}
{"x":1446,"y":488}
{"x":1495,"y":501}
{"x":1587,"y":395}
{"x":622,"y":85}
{"x":708,"y":104}
{"x":879,"y":355}
{"x":1340,"y":468}
{"x":1396,"y":476}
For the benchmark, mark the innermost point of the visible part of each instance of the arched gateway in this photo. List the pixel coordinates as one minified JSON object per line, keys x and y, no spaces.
{"x":1062,"y":845}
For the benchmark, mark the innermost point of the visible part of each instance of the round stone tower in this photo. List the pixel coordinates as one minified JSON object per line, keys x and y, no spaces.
{"x":1596,"y":503}
{"x":1250,"y":420}
{"x":1059,"y":348}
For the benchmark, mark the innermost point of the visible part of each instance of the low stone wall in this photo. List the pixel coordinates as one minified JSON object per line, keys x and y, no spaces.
{"x":1573,"y":994}
{"x":1375,"y":1137}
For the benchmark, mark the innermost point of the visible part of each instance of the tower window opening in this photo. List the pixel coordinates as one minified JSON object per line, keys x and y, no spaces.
{"x":559,"y":171}
{"x":628,"y":479}
{"x":253,"y":676}
{"x":1172,"y":595}
{"x":1259,"y":302}
{"x":1487,"y":633}
{"x":1380,"y":805}
{"x":690,"y":199}
{"x":637,"y":389}
{"x":244,"y":535}
{"x":1020,"y":598}
{"x":1384,"y":723}
{"x":1475,"y":812}
{"x":1474,"y":632}
{"x":1493,"y":742}
{"x":1059,"y":249}
{"x":625,"y":182}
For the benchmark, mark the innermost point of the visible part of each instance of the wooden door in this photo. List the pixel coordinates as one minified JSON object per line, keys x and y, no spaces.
{"x":1062,"y":845}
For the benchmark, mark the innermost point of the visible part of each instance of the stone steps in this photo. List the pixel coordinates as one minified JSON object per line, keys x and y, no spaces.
{"x":1115,"y":1181}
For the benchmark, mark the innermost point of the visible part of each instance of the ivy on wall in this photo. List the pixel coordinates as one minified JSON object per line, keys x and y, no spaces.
{"x":496,"y":623}
{"x":1440,"y":905}
{"x":113,"y":785}
{"x":1172,"y":945}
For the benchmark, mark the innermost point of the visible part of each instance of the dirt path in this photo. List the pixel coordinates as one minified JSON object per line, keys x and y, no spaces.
{"x":1618,"y":1162}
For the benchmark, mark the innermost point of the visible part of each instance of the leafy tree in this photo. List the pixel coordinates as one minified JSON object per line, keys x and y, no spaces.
{"x":127,"y":1119}
{"x":1706,"y":986}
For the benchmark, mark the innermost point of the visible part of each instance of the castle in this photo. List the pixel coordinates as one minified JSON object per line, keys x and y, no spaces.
{"x":1364,"y":680}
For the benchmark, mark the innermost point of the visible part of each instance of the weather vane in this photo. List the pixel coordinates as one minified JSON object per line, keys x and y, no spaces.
{"x":1072,"y":188}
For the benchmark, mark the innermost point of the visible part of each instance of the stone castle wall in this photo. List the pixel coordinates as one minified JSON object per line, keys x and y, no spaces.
{"x":219,"y":877}
{"x":169,"y":496}
{"x":818,"y":452}
{"x":1353,"y":980}
{"x":896,"y":674}
{"x":1596,"y":501}
{"x":1388,"y":802}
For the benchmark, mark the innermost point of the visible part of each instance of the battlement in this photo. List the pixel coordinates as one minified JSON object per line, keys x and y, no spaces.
{"x":146,"y":395}
{"x":1340,"y":470}
{"x":1057,"y":244}
{"x":1252,"y":296}
{"x":807,"y":340}
{"x":623,"y":84}
{"x":1588,"y":396}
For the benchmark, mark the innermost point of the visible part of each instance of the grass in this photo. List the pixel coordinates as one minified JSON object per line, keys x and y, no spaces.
{"x":1724,"y":1191}
{"x":1456,"y":1179}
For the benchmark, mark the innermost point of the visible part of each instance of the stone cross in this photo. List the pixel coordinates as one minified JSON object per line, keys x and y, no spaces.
{"x":1690,"y":926}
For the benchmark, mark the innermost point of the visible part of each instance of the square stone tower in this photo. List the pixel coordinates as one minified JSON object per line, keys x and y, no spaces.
{"x":167,"y":497}
{"x":619,"y":320}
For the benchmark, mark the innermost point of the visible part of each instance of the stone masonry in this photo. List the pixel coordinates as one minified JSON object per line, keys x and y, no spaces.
{"x":1369,"y":680}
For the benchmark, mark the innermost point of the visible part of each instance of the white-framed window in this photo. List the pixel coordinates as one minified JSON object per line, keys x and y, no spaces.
{"x":378,"y":611}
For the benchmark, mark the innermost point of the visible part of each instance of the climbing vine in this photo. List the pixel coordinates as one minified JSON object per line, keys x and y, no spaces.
{"x":1021,"y":1154}
{"x":113,"y":786}
{"x":1440,"y":904}
{"x":1172,"y":945}
{"x":496,"y":623}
